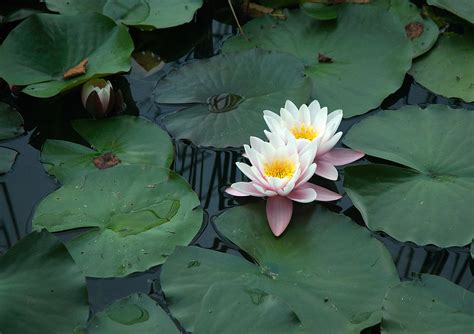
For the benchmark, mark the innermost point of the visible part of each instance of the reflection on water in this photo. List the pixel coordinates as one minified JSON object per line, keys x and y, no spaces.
{"x":208,"y":171}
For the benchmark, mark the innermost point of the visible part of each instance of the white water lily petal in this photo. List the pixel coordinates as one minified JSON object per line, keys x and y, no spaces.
{"x":292,"y":108}
{"x":328,"y":145}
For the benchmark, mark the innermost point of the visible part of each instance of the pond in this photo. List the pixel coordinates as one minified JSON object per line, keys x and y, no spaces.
{"x":163,"y":55}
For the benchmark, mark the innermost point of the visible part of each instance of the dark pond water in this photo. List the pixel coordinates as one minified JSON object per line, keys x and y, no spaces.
{"x":208,"y":171}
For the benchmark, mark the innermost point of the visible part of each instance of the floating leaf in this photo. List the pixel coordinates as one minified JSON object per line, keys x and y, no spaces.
{"x":11,"y":122}
{"x":75,"y":6}
{"x":229,"y":93}
{"x":136,"y":215}
{"x":125,"y":140}
{"x":462,"y":8}
{"x":7,"y":159}
{"x":41,"y":49}
{"x":427,"y":202}
{"x":41,"y":289}
{"x":448,"y":69}
{"x":430,"y":304}
{"x":256,"y":311}
{"x":338,"y":84}
{"x":421,"y":31}
{"x":136,"y":313}
{"x":319,"y":11}
{"x":331,"y":287}
{"x":152,"y":13}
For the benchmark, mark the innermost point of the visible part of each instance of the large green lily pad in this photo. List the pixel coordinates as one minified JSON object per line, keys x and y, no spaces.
{"x":148,"y":13}
{"x":358,"y":75}
{"x":430,"y":304}
{"x":7,"y":159}
{"x":232,"y":308}
{"x":41,"y":49}
{"x":136,"y":215}
{"x":427,"y":203}
{"x":462,"y":8}
{"x":448,"y":69}
{"x":11,"y":122}
{"x":332,"y":287}
{"x":136,"y":313}
{"x":228,"y":94}
{"x":41,"y":289}
{"x":132,"y":140}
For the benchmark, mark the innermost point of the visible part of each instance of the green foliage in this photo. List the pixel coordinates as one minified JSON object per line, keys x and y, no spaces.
{"x":136,"y":215}
{"x":41,"y":289}
{"x":40,"y":60}
{"x":228,"y":93}
{"x":427,"y":202}
{"x":331,"y":287}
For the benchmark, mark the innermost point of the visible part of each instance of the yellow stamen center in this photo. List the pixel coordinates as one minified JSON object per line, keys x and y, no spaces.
{"x":279,"y":168}
{"x":304,"y":131}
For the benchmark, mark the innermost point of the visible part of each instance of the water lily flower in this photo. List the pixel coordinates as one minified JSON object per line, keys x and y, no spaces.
{"x":307,"y":125}
{"x":98,"y":97}
{"x":280,"y":172}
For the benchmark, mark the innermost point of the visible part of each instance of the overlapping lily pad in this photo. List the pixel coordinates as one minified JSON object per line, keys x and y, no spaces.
{"x":11,"y":122}
{"x":153,"y":13}
{"x":7,"y":159}
{"x":41,"y":289}
{"x":229,"y":308}
{"x":347,"y":73}
{"x":124,"y":140}
{"x":136,"y":313}
{"x":462,"y":8}
{"x":41,"y":49}
{"x":228,"y":93}
{"x":430,"y":304}
{"x":421,"y":30}
{"x":448,"y":69}
{"x":331,"y":287}
{"x":428,"y":202}
{"x":136,"y":216}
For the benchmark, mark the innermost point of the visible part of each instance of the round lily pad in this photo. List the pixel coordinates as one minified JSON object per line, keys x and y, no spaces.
{"x":332,"y":288}
{"x":136,"y":216}
{"x":41,"y":289}
{"x":429,"y":304}
{"x":136,"y":313}
{"x":11,"y":122}
{"x":148,"y":13}
{"x":448,"y":69}
{"x":7,"y":159}
{"x":228,"y":93}
{"x":428,"y":202}
{"x":229,"y":308}
{"x":124,"y":140}
{"x":69,"y":50}
{"x":347,"y":73}
{"x":421,"y":30}
{"x":462,"y":8}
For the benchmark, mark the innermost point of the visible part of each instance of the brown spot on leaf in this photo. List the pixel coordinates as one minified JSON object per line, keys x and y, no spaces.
{"x":106,"y":160}
{"x":324,"y":59}
{"x":414,"y":29}
{"x":76,"y":70}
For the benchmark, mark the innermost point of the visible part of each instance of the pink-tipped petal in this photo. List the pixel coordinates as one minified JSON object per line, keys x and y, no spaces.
{"x":279,"y":211}
{"x":341,"y":156}
{"x":323,"y":194}
{"x":326,"y":169}
{"x":234,"y":192}
{"x":246,"y":188}
{"x":303,"y":195}
{"x":326,"y":146}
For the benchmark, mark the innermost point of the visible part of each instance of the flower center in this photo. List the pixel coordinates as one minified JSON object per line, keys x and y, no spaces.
{"x":304,"y":131}
{"x":279,"y":168}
